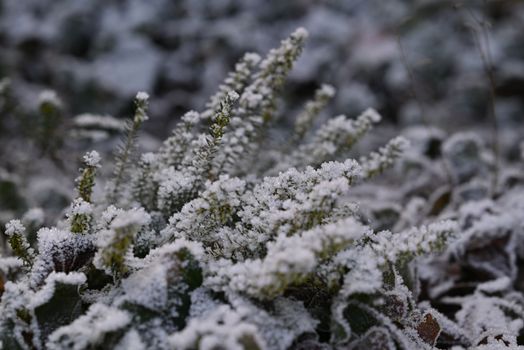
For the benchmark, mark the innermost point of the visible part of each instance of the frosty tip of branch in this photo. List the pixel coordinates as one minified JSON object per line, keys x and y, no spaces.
{"x":327,"y":90}
{"x":14,"y":227}
{"x":300,"y":33}
{"x":233,"y":95}
{"x":49,"y":97}
{"x":92,"y":159}
{"x":373,"y":115}
{"x":142,"y":97}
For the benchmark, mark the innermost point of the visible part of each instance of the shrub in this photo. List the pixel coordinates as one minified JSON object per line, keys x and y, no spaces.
{"x":226,"y":239}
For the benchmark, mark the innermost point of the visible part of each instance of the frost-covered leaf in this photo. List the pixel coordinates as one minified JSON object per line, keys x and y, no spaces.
{"x":99,"y":327}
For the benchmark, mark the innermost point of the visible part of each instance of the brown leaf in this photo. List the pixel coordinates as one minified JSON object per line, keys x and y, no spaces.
{"x":439,"y":201}
{"x":429,"y":329}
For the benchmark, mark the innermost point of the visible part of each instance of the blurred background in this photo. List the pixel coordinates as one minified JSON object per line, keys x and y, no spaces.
{"x":435,"y":63}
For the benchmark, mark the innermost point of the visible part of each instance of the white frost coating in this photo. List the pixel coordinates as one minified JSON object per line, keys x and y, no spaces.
{"x":48,"y":290}
{"x":304,"y":121}
{"x":233,"y":95}
{"x":148,"y":158}
{"x":386,"y":156}
{"x":281,"y":325}
{"x":372,"y":115}
{"x":117,"y":226}
{"x":257,"y":98}
{"x":88,"y":330}
{"x":366,"y":263}
{"x":281,"y":204}
{"x":191,"y":117}
{"x":48,"y":238}
{"x":498,"y":285}
{"x":92,"y":159}
{"x":10,"y":263}
{"x":172,"y":184}
{"x":288,"y":259}
{"x":155,"y":285}
{"x":252,"y":57}
{"x":223,"y":328}
{"x":80,"y":207}
{"x":235,"y":81}
{"x":131,"y":341}
{"x":365,"y":275}
{"x":337,"y":134}
{"x":14,"y":227}
{"x":328,"y":90}
{"x":49,"y":97}
{"x":15,"y":296}
{"x":57,"y":248}
{"x":487,"y":227}
{"x":142,"y":96}
{"x":482,"y":316}
{"x":147,"y":287}
{"x":200,"y":219}
{"x":141,"y":101}
{"x":194,"y":248}
{"x":300,"y":33}
{"x":421,"y":240}
{"x":134,"y":217}
{"x":108,"y":216}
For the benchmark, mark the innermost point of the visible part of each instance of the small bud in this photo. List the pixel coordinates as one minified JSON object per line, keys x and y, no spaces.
{"x":49,"y":98}
{"x":142,"y":97}
{"x":141,"y":102}
{"x":300,"y":34}
{"x":92,"y":159}
{"x":14,"y":227}
{"x":233,"y":96}
{"x":15,"y":232}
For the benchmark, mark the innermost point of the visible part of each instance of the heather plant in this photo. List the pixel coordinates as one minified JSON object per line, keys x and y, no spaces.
{"x":40,"y":147}
{"x":222,"y":240}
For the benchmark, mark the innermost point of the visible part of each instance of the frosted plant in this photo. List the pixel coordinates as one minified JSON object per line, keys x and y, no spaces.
{"x":222,"y":328}
{"x":256,"y":103}
{"x":49,"y":137}
{"x":236,"y":81}
{"x":197,"y":247}
{"x":125,"y":153}
{"x":115,"y":241}
{"x":15,"y":232}
{"x":180,"y":184}
{"x":305,"y":119}
{"x":175,"y":146}
{"x":338,"y":135}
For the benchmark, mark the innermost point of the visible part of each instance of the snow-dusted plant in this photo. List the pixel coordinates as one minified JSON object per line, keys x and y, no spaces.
{"x":219,"y":240}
